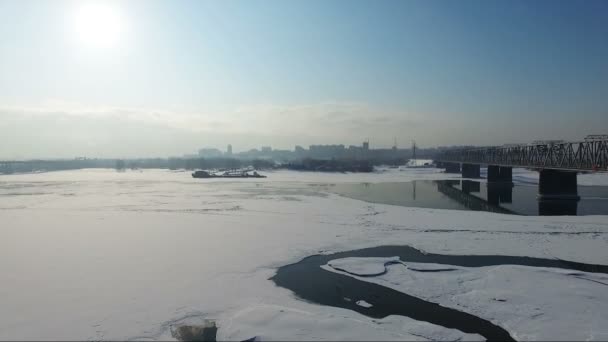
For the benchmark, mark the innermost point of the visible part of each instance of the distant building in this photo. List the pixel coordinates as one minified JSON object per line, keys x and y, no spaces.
{"x":327,"y":151}
{"x":324,"y":152}
{"x":209,"y":153}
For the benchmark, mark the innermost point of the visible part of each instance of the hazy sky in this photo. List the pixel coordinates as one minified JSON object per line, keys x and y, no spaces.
{"x":157,"y":78}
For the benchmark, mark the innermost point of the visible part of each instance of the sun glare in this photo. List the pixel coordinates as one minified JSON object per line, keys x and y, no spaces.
{"x":98,"y":25}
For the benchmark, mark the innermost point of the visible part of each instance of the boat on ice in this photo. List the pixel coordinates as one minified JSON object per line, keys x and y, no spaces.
{"x":227,"y":174}
{"x":419,"y":164}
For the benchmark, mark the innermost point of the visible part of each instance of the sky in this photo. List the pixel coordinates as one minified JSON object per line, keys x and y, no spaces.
{"x":150,"y":78}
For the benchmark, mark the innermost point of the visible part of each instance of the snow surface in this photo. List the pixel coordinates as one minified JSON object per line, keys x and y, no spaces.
{"x":279,"y":323}
{"x":544,"y":304}
{"x":106,"y":255}
{"x":365,"y":267}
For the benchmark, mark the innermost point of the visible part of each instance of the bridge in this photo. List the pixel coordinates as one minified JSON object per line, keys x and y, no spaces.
{"x":557,"y":161}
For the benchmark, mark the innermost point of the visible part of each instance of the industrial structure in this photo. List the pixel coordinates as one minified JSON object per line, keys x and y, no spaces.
{"x":557,"y":161}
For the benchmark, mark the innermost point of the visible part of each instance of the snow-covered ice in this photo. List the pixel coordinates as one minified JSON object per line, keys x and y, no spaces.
{"x":544,"y":304}
{"x":365,"y":267}
{"x":281,"y":323}
{"x":106,"y":255}
{"x":363,"y":303}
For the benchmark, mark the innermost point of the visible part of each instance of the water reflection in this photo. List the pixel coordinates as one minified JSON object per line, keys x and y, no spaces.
{"x":469,"y":186}
{"x":557,"y":207}
{"x":501,"y":193}
{"x":464,"y":196}
{"x":505,"y":198}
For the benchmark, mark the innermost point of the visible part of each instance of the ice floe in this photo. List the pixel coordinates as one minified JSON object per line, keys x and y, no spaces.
{"x":531,"y":303}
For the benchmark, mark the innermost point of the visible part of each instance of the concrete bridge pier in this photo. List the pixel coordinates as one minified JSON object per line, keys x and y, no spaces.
{"x":452,"y":167}
{"x":500,"y":174}
{"x":506,"y":174}
{"x":557,"y":193}
{"x":557,"y":185}
{"x":471,"y":171}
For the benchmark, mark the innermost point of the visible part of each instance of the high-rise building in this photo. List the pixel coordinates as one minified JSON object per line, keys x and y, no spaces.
{"x":229,"y":150}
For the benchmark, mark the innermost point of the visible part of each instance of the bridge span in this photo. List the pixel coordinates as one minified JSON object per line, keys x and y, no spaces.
{"x":558,"y":163}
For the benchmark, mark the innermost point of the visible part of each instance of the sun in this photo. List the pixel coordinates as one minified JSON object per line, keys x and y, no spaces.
{"x":98,"y":25}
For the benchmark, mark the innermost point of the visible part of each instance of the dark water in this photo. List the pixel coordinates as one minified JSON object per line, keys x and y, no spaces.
{"x":472,"y":195}
{"x":310,"y":282}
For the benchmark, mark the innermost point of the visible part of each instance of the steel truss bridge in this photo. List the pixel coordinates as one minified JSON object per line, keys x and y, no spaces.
{"x":589,"y":155}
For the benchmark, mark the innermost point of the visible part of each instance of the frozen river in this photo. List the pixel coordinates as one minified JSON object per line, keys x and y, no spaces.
{"x":518,"y":198}
{"x":103,"y":255}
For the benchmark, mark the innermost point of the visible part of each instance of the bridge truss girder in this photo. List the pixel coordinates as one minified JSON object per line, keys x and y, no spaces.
{"x":575,"y":156}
